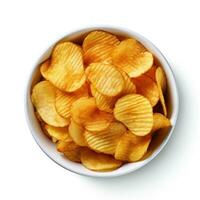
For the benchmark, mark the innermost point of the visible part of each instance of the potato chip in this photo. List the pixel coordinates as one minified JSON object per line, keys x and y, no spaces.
{"x":132,"y":148}
{"x":65,"y":145}
{"x":104,"y":103}
{"x":135,"y":112}
{"x":160,"y":121}
{"x":105,"y":78}
{"x":105,"y":141}
{"x":162,"y":84}
{"x":98,"y":53}
{"x":129,"y":86}
{"x":148,"y":88}
{"x":151,"y":73}
{"x":82,"y":109}
{"x":131,"y":57}
{"x":76,"y":132}
{"x":98,"y":161}
{"x":65,"y":69}
{"x":64,"y":100}
{"x":99,"y":37}
{"x":98,"y":121}
{"x":73,"y":152}
{"x":43,"y":98}
{"x":57,"y":133}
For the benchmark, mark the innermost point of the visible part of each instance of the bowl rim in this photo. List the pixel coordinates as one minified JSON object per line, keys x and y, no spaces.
{"x":159,"y":54}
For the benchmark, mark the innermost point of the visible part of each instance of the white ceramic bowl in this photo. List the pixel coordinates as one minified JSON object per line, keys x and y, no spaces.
{"x":49,"y":148}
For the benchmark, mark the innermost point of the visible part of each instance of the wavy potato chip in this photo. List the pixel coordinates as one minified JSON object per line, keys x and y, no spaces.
{"x":105,"y":141}
{"x":99,"y":37}
{"x":129,"y":86}
{"x":160,"y":121}
{"x":82,"y":109}
{"x":131,"y":57}
{"x":103,"y":102}
{"x":43,"y":98}
{"x":65,"y":69}
{"x":105,"y":78}
{"x":98,"y":53}
{"x":135,"y":112}
{"x":99,"y":121}
{"x":64,"y":100}
{"x":132,"y":148}
{"x":57,"y":133}
{"x":76,"y":132}
{"x":98,"y":161}
{"x":148,"y":88}
{"x":162,"y":84}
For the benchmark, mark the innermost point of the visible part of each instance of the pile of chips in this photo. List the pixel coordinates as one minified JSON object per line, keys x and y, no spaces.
{"x":97,"y":100}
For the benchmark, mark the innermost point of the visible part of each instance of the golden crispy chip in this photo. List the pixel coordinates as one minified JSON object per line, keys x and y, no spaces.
{"x":105,"y":78}
{"x":65,"y":145}
{"x":135,"y":112}
{"x":151,"y":73}
{"x":162,"y":84}
{"x":105,"y":141}
{"x":160,"y":121}
{"x":98,"y":53}
{"x":98,"y":121}
{"x":132,"y":148}
{"x":73,"y":152}
{"x":131,"y":57}
{"x":64,"y":100}
{"x":76,"y":132}
{"x":148,"y":88}
{"x":129,"y":86}
{"x":98,"y":161}
{"x":65,"y":69}
{"x":57,"y":133}
{"x":99,"y":37}
{"x":43,"y":98}
{"x":82,"y":109}
{"x":104,"y":103}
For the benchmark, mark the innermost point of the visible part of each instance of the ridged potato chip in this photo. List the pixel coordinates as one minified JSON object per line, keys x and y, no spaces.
{"x":105,"y":141}
{"x":43,"y":98}
{"x":162,"y":84}
{"x":99,"y":37}
{"x":65,"y":69}
{"x":64,"y":100}
{"x":129,"y":86}
{"x":99,"y":121}
{"x":98,"y":161}
{"x":98,"y":53}
{"x":148,"y":88}
{"x":160,"y":121}
{"x":131,"y":57}
{"x":135,"y":112}
{"x":132,"y":148}
{"x":76,"y":132}
{"x":151,"y":73}
{"x":82,"y":109}
{"x":105,"y":78}
{"x":104,"y":103}
{"x":57,"y":133}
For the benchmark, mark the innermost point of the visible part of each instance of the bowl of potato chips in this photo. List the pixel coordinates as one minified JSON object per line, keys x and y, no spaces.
{"x":102,"y":101}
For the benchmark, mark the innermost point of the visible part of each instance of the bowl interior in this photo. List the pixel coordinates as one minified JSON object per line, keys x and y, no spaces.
{"x":158,"y":143}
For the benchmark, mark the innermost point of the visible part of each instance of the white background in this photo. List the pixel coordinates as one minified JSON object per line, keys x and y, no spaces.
{"x":26,"y":30}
